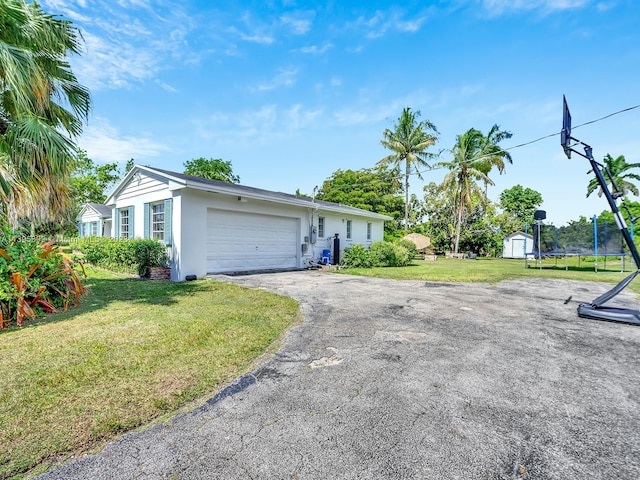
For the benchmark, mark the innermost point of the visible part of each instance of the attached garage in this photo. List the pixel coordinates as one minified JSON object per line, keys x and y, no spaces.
{"x":239,"y":241}
{"x":211,"y":227}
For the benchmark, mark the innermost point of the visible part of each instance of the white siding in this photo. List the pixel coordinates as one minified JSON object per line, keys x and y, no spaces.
{"x":142,"y":184}
{"x":514,"y":245}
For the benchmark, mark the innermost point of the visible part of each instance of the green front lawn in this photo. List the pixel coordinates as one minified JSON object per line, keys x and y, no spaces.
{"x":493,"y":270}
{"x":133,"y":351}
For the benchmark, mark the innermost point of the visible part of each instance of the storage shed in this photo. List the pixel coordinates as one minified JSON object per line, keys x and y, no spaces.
{"x":516,"y":244}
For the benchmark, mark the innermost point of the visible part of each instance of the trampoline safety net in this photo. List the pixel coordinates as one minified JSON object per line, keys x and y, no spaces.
{"x":601,"y":237}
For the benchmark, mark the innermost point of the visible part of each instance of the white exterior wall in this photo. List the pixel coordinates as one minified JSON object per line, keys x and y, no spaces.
{"x":90,"y":216}
{"x":142,"y":189}
{"x":337,"y":223}
{"x":146,"y":189}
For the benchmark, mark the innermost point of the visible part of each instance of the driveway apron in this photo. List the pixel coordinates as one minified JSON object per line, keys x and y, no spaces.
{"x":410,"y":380}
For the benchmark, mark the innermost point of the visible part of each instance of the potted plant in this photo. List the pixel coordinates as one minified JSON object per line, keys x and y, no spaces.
{"x":153,"y":261}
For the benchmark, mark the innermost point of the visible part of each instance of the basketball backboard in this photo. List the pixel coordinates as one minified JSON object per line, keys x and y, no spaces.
{"x":565,"y":134}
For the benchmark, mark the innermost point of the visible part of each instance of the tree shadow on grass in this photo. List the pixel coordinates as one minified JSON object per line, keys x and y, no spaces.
{"x":101,"y":292}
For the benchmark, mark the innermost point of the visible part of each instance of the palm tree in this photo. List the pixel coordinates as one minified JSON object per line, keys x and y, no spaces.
{"x":42,"y":107}
{"x":408,"y":141}
{"x":618,"y":169}
{"x":474,"y":155}
{"x":494,"y":156}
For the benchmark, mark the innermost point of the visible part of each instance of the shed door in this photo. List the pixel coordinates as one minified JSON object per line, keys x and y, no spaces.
{"x":247,"y":241}
{"x":517,"y":247}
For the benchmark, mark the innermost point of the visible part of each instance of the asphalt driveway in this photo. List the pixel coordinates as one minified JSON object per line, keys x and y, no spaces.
{"x":411,"y":380}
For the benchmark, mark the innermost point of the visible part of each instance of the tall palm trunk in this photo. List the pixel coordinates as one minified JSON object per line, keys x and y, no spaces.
{"x":459,"y":225}
{"x":406,"y":195}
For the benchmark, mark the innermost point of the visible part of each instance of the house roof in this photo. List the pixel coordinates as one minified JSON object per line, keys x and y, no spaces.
{"x":101,"y":209}
{"x":515,"y":234}
{"x":181,"y":180}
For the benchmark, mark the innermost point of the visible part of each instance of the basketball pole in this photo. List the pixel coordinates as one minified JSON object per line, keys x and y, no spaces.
{"x":596,"y":309}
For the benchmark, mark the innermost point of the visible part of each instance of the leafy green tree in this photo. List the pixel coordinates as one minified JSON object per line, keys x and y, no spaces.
{"x":438,"y":208}
{"x":409,"y":141}
{"x":90,"y":182}
{"x":372,"y":189}
{"x":521,"y":203}
{"x":472,"y":153}
{"x":129,"y":165}
{"x":619,"y":170}
{"x":479,"y":233}
{"x":212,"y":168}
{"x":42,"y":109}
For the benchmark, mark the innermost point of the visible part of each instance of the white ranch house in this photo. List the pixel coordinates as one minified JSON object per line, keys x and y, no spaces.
{"x":94,"y":220}
{"x":211,"y":226}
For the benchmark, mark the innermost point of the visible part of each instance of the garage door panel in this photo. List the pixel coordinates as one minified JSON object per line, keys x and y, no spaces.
{"x":248,"y":241}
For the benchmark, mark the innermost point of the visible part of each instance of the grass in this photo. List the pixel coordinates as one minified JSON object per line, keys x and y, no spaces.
{"x":133,"y":351}
{"x":493,"y":270}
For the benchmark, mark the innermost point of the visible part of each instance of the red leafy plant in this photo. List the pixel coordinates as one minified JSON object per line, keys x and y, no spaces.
{"x":35,"y":279}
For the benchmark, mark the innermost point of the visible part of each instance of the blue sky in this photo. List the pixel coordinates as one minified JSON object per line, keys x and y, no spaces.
{"x":291,"y":91}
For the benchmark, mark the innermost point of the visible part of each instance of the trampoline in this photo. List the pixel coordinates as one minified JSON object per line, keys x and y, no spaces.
{"x":600,"y":240}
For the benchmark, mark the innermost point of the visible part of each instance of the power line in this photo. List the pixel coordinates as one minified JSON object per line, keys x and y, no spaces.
{"x":520,"y":145}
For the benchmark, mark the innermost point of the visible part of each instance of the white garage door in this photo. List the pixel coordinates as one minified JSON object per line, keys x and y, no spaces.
{"x":249,"y":241}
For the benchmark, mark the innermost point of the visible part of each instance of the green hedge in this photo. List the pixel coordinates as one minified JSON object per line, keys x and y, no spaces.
{"x":381,"y":254}
{"x":135,"y":256}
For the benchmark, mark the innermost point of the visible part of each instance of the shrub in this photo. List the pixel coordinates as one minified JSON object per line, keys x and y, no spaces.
{"x":410,"y":246}
{"x":357,"y":256}
{"x":34,"y":278}
{"x":121,"y":254}
{"x":387,"y":254}
{"x":381,"y":254}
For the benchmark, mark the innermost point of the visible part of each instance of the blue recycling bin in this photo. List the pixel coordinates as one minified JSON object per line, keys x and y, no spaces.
{"x":326,"y":256}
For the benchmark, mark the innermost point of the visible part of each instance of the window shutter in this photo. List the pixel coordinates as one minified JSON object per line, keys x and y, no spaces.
{"x":147,"y":220}
{"x":80,"y":229}
{"x":132,"y":228}
{"x":97,"y":230}
{"x":116,"y":224}
{"x":168,"y":204}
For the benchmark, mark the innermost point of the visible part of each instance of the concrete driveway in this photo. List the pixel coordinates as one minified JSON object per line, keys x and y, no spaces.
{"x":411,"y":380}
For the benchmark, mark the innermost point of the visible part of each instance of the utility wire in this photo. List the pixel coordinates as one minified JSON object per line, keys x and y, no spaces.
{"x":520,"y":144}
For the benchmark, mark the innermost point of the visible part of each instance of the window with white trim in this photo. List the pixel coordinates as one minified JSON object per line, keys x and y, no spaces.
{"x":348,"y":229}
{"x":157,"y":221}
{"x":124,"y":223}
{"x":321,"y":227}
{"x":368,"y":230}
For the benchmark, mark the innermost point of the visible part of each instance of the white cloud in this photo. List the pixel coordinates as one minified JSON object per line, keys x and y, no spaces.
{"x":297,"y":23}
{"x":284,"y":78}
{"x":104,"y":143}
{"x":126,"y":42}
{"x":260,"y":125}
{"x":381,"y":23}
{"x":499,"y":7}
{"x":316,"y":50}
